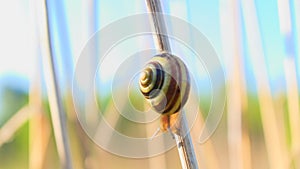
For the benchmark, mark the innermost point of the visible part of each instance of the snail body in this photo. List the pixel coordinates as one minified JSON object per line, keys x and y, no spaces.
{"x":165,"y":83}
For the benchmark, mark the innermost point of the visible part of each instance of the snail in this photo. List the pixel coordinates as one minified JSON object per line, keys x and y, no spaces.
{"x":165,"y":83}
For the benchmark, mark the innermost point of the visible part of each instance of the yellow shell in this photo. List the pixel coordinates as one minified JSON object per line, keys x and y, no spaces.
{"x":165,"y":82}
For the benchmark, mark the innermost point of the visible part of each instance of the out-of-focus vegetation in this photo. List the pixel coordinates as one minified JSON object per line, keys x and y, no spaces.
{"x":15,"y":152}
{"x":257,"y":42}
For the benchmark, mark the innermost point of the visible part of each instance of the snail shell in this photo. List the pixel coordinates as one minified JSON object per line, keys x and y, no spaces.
{"x":165,"y":82}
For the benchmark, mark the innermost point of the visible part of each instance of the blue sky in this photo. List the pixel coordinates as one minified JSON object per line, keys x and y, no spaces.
{"x":79,"y":22}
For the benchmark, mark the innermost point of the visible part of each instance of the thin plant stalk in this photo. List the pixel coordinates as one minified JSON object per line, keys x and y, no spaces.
{"x":13,"y":124}
{"x":39,"y":128}
{"x":231,"y":41}
{"x":54,"y":96}
{"x":39,"y":137}
{"x":185,"y":145}
{"x":65,"y":56}
{"x":182,"y":137}
{"x":162,"y":41}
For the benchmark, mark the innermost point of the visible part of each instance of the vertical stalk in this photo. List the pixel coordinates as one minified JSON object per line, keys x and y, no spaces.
{"x":185,"y":145}
{"x":162,"y":41}
{"x":54,"y":96}
{"x":182,"y":136}
{"x":231,"y":46}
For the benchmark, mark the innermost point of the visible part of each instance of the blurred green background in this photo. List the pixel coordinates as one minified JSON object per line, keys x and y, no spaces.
{"x":256,"y":41}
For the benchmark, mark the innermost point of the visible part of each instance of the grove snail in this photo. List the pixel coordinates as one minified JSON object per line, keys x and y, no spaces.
{"x":165,"y":83}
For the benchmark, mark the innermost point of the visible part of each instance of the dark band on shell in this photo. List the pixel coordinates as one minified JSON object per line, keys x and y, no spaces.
{"x":165,"y":82}
{"x":154,"y":75}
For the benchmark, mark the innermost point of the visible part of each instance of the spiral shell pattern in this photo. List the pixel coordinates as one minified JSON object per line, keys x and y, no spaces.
{"x":165,"y":82}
